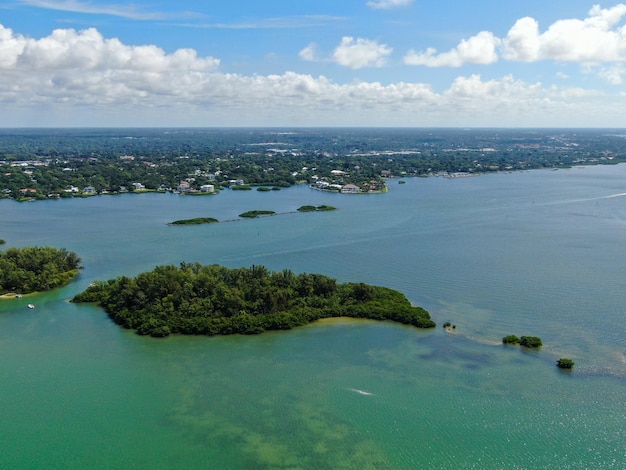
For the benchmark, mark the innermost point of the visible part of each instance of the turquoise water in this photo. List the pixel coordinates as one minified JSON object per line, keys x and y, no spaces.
{"x":538,"y":253}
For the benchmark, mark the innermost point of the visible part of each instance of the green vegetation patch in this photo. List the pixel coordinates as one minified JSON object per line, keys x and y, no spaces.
{"x":241,"y":187}
{"x":510,"y":339}
{"x":526,"y":341}
{"x":195,"y":221}
{"x":263,"y":189}
{"x":36,"y":269}
{"x":564,"y":363}
{"x":316,"y":208}
{"x":215,"y":300}
{"x":254,"y":214}
{"x":530,"y":342}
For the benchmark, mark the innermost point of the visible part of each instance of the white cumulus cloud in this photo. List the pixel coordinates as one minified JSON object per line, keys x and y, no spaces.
{"x":479,"y":49}
{"x":360,"y":52}
{"x":81,"y":78}
{"x":613,"y":75}
{"x":597,"y":38}
{"x":87,"y":50}
{"x":309,"y":53}
{"x":388,"y":4}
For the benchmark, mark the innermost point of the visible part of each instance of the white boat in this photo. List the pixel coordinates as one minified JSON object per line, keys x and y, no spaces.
{"x":31,"y":306}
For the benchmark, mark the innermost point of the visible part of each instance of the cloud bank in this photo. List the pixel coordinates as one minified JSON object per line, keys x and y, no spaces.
{"x":81,"y":78}
{"x":595,"y":39}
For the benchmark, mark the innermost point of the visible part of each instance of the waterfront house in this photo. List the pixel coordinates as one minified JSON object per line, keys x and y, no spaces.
{"x":350,"y":189}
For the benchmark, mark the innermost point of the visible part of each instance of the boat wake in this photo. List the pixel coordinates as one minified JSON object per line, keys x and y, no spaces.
{"x":610,"y":196}
{"x":361,"y":392}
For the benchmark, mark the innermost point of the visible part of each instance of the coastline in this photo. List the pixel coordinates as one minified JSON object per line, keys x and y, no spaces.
{"x":385,"y":189}
{"x":16,"y":295}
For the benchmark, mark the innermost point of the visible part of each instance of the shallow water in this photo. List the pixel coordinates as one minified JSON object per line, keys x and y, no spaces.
{"x":537,"y":253}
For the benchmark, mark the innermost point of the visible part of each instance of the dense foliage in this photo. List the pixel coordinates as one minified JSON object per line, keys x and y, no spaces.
{"x":215,"y":300}
{"x":35,"y":269}
{"x":565,"y":363}
{"x":195,"y":221}
{"x":254,"y":214}
{"x":321,"y":208}
{"x":530,"y":342}
{"x":510,"y":339}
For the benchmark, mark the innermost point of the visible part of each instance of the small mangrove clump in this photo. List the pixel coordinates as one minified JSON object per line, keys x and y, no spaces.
{"x":316,"y":208}
{"x":564,"y":363}
{"x":195,"y":221}
{"x":255,"y":214}
{"x":532,"y":342}
{"x":510,"y":339}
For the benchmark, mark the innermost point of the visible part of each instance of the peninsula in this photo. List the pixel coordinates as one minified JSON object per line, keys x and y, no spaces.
{"x":193,"y":299}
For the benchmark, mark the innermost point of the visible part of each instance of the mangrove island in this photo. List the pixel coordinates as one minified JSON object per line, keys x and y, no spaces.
{"x":36,"y":269}
{"x":321,"y":208}
{"x":195,"y":221}
{"x":255,"y":214}
{"x":194,"y":299}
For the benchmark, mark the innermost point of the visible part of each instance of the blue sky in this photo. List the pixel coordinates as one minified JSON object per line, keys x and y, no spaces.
{"x":412,"y":63}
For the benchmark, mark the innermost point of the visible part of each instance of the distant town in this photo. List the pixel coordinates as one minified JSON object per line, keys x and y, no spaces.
{"x":60,"y":163}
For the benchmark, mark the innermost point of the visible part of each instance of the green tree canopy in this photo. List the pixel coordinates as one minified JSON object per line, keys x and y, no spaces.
{"x":33,"y":269}
{"x":215,"y":300}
